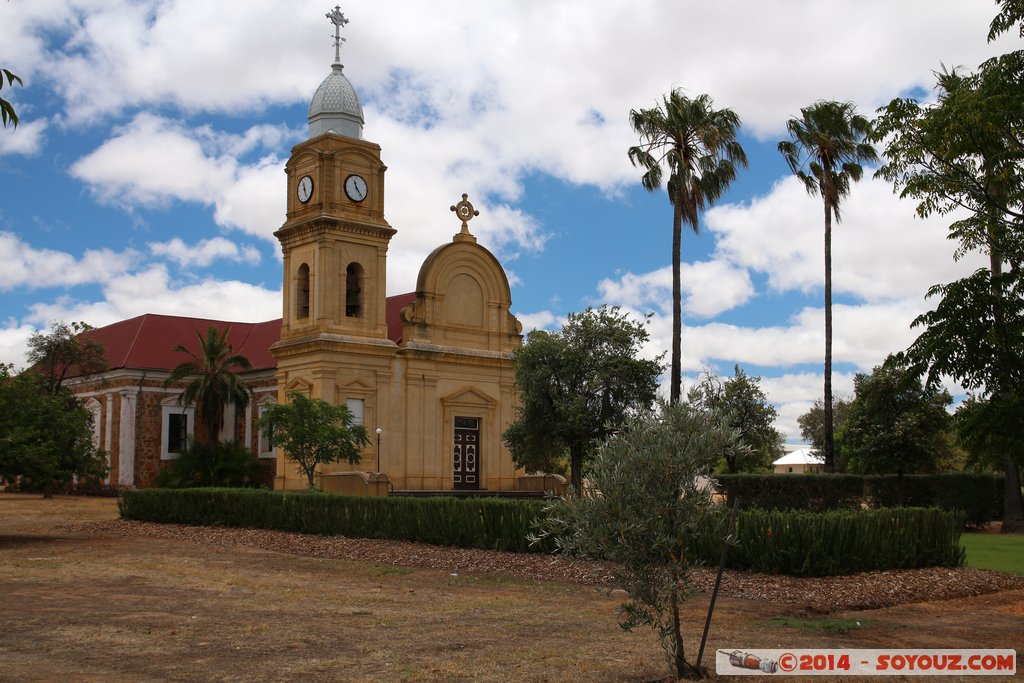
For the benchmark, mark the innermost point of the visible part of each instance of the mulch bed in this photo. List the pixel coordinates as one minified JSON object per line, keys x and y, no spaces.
{"x":870,"y":590}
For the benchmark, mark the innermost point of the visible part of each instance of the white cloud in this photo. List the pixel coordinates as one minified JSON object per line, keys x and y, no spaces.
{"x":204,"y":252}
{"x":27,"y":139}
{"x":14,"y":342}
{"x":539,"y":320}
{"x":708,"y":288}
{"x":153,"y":291}
{"x":27,"y":267}
{"x":880,"y":250}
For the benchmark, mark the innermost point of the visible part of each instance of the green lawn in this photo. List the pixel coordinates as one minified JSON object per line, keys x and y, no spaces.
{"x":1001,"y":552}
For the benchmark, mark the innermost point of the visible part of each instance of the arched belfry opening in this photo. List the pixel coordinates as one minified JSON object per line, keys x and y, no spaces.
{"x":302,"y":292}
{"x":354,"y":291}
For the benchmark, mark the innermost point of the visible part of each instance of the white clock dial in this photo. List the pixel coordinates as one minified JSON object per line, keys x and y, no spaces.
{"x":305,"y":189}
{"x":355,"y":188}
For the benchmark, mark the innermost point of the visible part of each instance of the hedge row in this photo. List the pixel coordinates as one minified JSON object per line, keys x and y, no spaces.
{"x":980,"y":496}
{"x":790,"y":542}
{"x":802,"y":543}
{"x":488,"y":523}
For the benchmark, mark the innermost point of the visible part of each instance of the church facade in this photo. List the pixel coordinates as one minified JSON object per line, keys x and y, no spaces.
{"x":428,"y":373}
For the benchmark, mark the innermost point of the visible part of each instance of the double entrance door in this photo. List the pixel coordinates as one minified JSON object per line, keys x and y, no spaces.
{"x":466,"y":455}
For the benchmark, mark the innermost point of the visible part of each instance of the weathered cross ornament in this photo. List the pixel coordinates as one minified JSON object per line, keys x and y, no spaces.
{"x":465,"y":211}
{"x":339,"y":20}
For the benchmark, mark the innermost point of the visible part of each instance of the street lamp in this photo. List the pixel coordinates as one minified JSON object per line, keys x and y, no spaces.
{"x":379,"y":432}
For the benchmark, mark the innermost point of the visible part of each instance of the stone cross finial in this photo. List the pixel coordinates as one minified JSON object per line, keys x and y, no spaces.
{"x":339,"y":20}
{"x":465,"y":211}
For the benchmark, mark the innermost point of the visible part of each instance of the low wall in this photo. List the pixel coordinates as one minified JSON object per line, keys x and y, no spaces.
{"x":355,"y":483}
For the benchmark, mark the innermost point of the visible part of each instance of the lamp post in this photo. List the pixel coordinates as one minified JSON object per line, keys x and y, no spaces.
{"x":379,"y":432}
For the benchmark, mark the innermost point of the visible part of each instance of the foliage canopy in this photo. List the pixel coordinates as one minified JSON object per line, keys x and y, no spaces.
{"x":578,"y":386}
{"x":748,"y":411}
{"x":45,"y":436}
{"x":314,"y":432}
{"x":896,"y":424}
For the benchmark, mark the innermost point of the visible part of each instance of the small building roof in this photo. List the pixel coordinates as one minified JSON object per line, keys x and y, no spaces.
{"x":801,"y":456}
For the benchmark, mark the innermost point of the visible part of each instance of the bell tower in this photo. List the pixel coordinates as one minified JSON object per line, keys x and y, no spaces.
{"x":335,"y":237}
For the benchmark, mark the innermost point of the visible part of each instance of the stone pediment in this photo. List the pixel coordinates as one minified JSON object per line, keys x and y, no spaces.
{"x":469,"y":395}
{"x":462,"y":300}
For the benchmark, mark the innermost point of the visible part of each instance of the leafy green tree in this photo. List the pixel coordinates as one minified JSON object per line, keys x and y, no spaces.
{"x":981,"y":431}
{"x":1010,"y":12}
{"x":7,"y":113}
{"x":213,"y":381}
{"x":746,"y":407}
{"x":45,"y":436}
{"x":314,"y":432}
{"x":578,"y":386}
{"x":963,"y":155}
{"x":697,"y":144}
{"x":642,"y":513}
{"x":827,"y":146}
{"x":896,"y":423}
{"x":812,"y":425}
{"x":65,"y":351}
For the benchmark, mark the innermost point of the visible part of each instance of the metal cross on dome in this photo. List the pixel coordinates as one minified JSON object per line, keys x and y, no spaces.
{"x":465,"y":211}
{"x":339,"y":20}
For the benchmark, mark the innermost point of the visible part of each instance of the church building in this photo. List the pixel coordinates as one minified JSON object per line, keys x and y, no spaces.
{"x":428,"y":373}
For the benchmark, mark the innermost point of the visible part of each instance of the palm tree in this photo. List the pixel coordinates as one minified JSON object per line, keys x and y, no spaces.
{"x":829,"y":140}
{"x":697,"y":144}
{"x":214,"y":382}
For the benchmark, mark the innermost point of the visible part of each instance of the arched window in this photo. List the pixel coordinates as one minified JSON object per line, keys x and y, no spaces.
{"x":354,"y":291}
{"x":302,"y":292}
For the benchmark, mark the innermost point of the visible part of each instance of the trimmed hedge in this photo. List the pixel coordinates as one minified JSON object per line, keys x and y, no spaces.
{"x":488,"y":523}
{"x":787,"y":542}
{"x":815,"y":493}
{"x":980,"y":496}
{"x":844,"y":542}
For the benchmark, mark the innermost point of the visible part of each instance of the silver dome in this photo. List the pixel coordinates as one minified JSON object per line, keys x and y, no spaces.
{"x":335,"y":107}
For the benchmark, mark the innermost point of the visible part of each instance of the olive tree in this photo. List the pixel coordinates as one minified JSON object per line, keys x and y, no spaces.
{"x":649,"y":498}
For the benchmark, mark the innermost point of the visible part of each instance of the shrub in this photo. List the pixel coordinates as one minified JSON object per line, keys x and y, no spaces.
{"x":845,"y":542}
{"x":978,"y":495}
{"x":489,"y":523}
{"x":773,"y":541}
{"x":212,"y":464}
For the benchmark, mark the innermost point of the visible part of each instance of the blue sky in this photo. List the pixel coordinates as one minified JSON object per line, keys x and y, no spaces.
{"x":147,"y":172}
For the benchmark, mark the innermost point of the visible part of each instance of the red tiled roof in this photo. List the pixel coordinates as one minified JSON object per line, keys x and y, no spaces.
{"x":395,"y":305}
{"x":148,"y":341}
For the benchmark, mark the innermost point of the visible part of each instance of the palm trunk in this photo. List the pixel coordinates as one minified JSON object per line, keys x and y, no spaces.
{"x":675,"y":378}
{"x":829,"y":445}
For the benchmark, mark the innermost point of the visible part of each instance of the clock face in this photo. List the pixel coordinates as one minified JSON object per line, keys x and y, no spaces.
{"x":305,"y":189}
{"x":355,"y":188}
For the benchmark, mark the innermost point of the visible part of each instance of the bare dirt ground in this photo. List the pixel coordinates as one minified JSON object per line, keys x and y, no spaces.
{"x":86,"y":597}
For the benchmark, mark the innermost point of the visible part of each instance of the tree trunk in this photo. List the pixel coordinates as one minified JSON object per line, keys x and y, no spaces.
{"x":1013,"y":511}
{"x":829,"y":445}
{"x":1013,"y":506}
{"x":682,"y":668}
{"x":576,"y":466}
{"x":675,"y":378}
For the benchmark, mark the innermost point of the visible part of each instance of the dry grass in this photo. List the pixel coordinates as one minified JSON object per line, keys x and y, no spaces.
{"x":92,"y":607}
